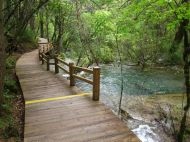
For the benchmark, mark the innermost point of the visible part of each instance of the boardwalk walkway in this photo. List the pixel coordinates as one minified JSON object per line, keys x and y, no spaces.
{"x":67,"y":119}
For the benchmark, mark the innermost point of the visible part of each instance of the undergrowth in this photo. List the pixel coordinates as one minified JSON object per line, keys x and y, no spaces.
{"x":8,"y":121}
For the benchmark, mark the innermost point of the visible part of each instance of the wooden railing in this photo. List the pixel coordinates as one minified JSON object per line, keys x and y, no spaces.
{"x":71,"y":70}
{"x":45,"y":47}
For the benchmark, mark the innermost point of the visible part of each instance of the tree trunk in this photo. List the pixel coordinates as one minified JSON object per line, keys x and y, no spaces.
{"x":32,"y":23}
{"x":59,"y":44}
{"x":53,"y":38}
{"x":60,"y":25}
{"x":47,"y":25}
{"x":2,"y":54}
{"x":187,"y":81}
{"x":41,"y":25}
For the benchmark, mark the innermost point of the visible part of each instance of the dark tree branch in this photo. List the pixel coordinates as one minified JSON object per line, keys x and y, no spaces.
{"x":12,"y":12}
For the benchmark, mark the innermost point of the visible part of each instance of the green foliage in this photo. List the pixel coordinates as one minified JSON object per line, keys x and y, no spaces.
{"x":8,"y":128}
{"x":7,"y":125}
{"x":106,"y":55}
{"x":10,"y":131}
{"x":84,"y":62}
{"x":176,"y":58}
{"x":142,"y":30}
{"x":27,"y":36}
{"x":62,"y":56}
{"x":10,"y":62}
{"x":9,"y":85}
{"x":7,"y":122}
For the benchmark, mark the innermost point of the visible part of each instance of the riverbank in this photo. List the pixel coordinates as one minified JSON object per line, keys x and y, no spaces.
{"x":156,"y":117}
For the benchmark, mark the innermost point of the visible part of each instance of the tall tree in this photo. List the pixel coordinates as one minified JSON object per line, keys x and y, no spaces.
{"x":41,"y":15}
{"x":2,"y":53}
{"x":183,"y":33}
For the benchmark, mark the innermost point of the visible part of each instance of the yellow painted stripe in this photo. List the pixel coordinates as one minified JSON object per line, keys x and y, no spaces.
{"x":55,"y":99}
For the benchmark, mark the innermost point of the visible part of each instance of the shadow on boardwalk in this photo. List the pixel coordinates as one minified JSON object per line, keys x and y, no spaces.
{"x":70,"y":119}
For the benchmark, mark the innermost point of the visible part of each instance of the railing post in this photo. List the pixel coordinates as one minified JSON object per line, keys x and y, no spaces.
{"x":42,"y":58}
{"x":47,"y":63}
{"x":56,"y":67}
{"x":96,"y":83}
{"x":47,"y":48}
{"x":39,"y":54}
{"x":71,"y":72}
{"x":43,"y":49}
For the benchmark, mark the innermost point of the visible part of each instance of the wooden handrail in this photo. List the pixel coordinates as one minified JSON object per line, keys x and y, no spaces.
{"x":83,"y":69}
{"x":63,"y":62}
{"x":43,"y":43}
{"x":44,"y":47}
{"x":72,"y":68}
{"x":61,"y":67}
{"x":44,"y":55}
{"x":58,"y":65}
{"x":44,"y":60}
{"x":83,"y":79}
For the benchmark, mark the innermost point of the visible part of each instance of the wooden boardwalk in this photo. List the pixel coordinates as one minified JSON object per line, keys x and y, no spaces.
{"x":70,"y":119}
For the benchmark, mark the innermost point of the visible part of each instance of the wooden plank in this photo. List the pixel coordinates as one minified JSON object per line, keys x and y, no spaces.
{"x":63,"y":62}
{"x":83,"y":69}
{"x":61,"y":67}
{"x":51,"y":63}
{"x":43,"y":43}
{"x":44,"y":60}
{"x":83,"y":79}
{"x":44,"y":55}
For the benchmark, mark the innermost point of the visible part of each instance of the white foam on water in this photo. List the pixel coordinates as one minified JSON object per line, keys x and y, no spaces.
{"x":82,"y":73}
{"x":65,"y":75}
{"x":145,"y":133}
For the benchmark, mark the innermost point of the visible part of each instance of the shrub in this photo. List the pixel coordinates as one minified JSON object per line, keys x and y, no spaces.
{"x":27,"y":36}
{"x":62,"y":55}
{"x":10,"y":62}
{"x":9,"y":84}
{"x":106,"y":55}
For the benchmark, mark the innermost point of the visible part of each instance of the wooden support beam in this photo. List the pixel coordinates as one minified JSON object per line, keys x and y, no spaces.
{"x":71,"y":72}
{"x":43,"y":49}
{"x":96,"y":83}
{"x":48,"y":66}
{"x":39,"y":54}
{"x":56,"y":67}
{"x":42,"y":58}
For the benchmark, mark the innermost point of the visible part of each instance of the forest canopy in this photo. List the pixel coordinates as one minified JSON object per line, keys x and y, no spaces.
{"x":145,"y":31}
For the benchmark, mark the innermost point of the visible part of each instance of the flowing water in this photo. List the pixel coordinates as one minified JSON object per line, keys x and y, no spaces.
{"x":137,"y":82}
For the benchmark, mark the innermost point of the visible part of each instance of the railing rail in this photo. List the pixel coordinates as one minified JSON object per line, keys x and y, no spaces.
{"x":71,"y":70}
{"x":83,"y":69}
{"x":44,"y":47}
